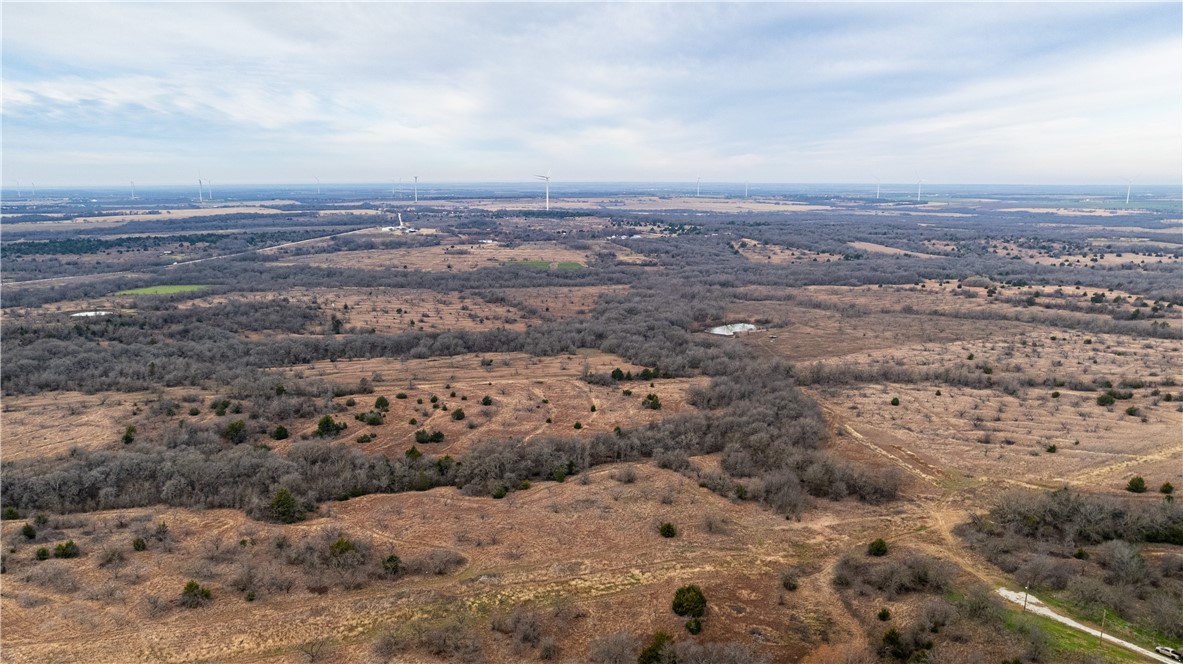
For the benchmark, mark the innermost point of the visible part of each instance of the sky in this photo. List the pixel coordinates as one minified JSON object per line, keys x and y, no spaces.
{"x":262,"y":93}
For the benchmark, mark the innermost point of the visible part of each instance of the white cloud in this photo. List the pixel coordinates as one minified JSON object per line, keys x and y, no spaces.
{"x":263,"y":92}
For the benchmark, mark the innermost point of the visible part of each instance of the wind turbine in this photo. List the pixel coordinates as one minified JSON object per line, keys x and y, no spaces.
{"x":200,"y":193}
{"x":745,"y":190}
{"x":877,"y":185}
{"x":918,"y":183}
{"x":546,"y":179}
{"x":210,"y":189}
{"x":416,"y":188}
{"x":133,"y":190}
{"x":317,"y":184}
{"x":698,"y":188}
{"x":1128,"y":185}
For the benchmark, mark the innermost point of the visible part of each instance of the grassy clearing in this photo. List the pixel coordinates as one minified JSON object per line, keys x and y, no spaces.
{"x":545,"y":265}
{"x":570,"y":265}
{"x":164,"y":290}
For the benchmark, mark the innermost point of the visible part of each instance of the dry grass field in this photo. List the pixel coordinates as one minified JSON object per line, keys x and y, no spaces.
{"x":451,"y":257}
{"x":613,"y":572}
{"x":525,"y":393}
{"x":757,"y":252}
{"x":884,"y":249}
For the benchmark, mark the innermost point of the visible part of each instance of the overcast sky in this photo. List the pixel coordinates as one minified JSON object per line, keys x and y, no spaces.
{"x":1042,"y":93}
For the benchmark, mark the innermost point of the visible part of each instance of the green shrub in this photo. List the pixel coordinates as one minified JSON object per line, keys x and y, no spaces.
{"x":694,"y":625}
{"x":195,"y":595}
{"x":29,"y":531}
{"x":1081,"y":554}
{"x":487,"y":401}
{"x":351,"y":402}
{"x":194,"y":412}
{"x":67,"y":550}
{"x":280,"y":433}
{"x":1166,"y":488}
{"x":1105,"y":399}
{"x":500,"y":492}
{"x":653,"y":651}
{"x":1056,"y":394}
{"x":1136,"y":485}
{"x":689,"y":601}
{"x":364,"y":438}
{"x":284,"y":507}
{"x":382,"y":403}
{"x":651,"y":401}
{"x":885,"y":614}
{"x":895,"y":401}
{"x":578,"y":425}
{"x":668,"y":529}
{"x":235,"y":432}
{"x":877,"y":548}
{"x":392,"y":564}
{"x":138,"y":544}
{"x":1132,"y":411}
{"x":327,"y":427}
{"x":42,"y":554}
{"x":129,"y":435}
{"x":401,"y":395}
{"x":458,"y":414}
{"x":413,"y":453}
{"x":341,"y":547}
{"x":1051,"y":449}
{"x":9,"y":514}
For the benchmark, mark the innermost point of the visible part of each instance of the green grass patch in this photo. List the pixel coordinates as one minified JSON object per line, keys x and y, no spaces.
{"x":164,"y":290}
{"x":545,"y":265}
{"x":1067,"y":640}
{"x":570,"y":265}
{"x":1114,"y":624}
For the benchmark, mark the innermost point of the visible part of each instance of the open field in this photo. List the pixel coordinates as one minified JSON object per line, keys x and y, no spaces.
{"x":769,"y":253}
{"x":921,"y":398}
{"x":452,"y":257}
{"x":525,"y":393}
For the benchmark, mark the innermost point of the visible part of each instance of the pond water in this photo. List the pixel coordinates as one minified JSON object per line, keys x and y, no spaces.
{"x":730,"y":330}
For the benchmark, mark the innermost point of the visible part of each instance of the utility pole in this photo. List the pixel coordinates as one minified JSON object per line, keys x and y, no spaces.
{"x":1025,"y":589}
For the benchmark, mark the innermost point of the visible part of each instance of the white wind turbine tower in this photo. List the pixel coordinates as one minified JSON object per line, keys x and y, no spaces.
{"x":210,"y":189}
{"x":745,"y":190}
{"x":317,"y":184}
{"x":133,"y":190}
{"x":1128,"y":185}
{"x":546,"y":179}
{"x":416,"y":188}
{"x":918,"y":183}
{"x":877,"y":185}
{"x":200,"y":193}
{"x":698,"y":188}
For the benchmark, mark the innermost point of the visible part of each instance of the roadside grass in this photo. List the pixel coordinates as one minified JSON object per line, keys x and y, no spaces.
{"x":1114,"y":624}
{"x":163,"y":290}
{"x":1067,"y":640}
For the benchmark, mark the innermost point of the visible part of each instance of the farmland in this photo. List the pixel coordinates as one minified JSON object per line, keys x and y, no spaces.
{"x":510,"y":437}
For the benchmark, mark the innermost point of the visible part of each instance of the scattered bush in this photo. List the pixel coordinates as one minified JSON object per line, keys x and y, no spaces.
{"x":195,"y":595}
{"x":877,"y":548}
{"x":29,"y":531}
{"x":1136,"y":485}
{"x":280,"y":433}
{"x":884,"y":614}
{"x":895,"y":401}
{"x":652,"y":653}
{"x":458,"y":414}
{"x":667,"y":530}
{"x":138,"y":544}
{"x":689,"y":601}
{"x":67,"y":550}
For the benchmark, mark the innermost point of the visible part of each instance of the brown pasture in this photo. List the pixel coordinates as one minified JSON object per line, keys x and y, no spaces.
{"x":444,"y":258}
{"x":525,"y":390}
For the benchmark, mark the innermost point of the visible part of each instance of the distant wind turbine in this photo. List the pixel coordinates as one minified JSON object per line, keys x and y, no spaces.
{"x":745,"y":190}
{"x":877,"y":185}
{"x":416,"y":188}
{"x":19,"y":193}
{"x":698,"y":187}
{"x":210,"y":188}
{"x":317,"y":184}
{"x":1128,"y":185}
{"x":133,"y":190}
{"x":918,"y":183}
{"x":546,"y":179}
{"x":200,"y":192}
